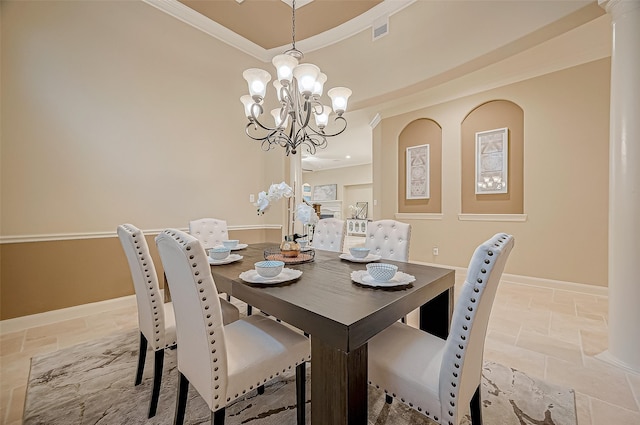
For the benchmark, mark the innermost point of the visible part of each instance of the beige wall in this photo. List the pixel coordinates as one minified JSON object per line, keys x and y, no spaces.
{"x":566,"y":133}
{"x":114,"y":112}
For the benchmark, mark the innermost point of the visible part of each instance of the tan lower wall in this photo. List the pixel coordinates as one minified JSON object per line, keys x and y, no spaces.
{"x":41,"y":276}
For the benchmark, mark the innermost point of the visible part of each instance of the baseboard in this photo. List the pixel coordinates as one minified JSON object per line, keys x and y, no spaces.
{"x":539,"y":282}
{"x":609,"y":358}
{"x":40,"y":319}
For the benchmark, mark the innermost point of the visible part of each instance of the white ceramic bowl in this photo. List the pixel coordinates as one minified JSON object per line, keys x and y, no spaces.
{"x":219,"y":253}
{"x":359,"y":252}
{"x":269,"y":268}
{"x":231,"y":243}
{"x":382,"y":272}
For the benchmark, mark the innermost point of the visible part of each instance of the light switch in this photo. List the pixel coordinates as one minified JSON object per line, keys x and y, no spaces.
{"x":252,"y":198}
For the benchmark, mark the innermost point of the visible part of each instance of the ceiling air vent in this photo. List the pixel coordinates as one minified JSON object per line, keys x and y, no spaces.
{"x":380,"y":27}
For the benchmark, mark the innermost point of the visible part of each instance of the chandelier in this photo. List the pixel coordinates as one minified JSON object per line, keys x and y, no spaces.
{"x":299,"y":89}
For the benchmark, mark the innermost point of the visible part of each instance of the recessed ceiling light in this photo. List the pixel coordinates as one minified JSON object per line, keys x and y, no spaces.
{"x":348,"y":156}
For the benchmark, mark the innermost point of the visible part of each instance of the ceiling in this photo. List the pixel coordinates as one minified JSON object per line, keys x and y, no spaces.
{"x":430,"y":44}
{"x":269,"y":23}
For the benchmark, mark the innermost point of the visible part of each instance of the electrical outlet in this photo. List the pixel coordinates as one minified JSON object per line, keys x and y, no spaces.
{"x":252,"y":198}
{"x":435,"y":250}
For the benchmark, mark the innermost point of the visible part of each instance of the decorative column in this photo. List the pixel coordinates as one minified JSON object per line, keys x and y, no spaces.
{"x":624,"y":186}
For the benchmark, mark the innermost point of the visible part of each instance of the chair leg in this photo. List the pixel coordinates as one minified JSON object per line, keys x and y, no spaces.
{"x":476,"y":408}
{"x":181,"y":400}
{"x":261,"y":389}
{"x":404,"y":319}
{"x":249,"y":310}
{"x":301,"y":376}
{"x":142,"y":355}
{"x":388,"y":399}
{"x":157,"y":380}
{"x":217,"y":417}
{"x":228,"y":297}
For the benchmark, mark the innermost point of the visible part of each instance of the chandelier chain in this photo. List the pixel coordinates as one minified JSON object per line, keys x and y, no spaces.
{"x":293,"y":24}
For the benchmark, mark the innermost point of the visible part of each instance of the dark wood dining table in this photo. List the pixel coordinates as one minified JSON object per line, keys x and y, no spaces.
{"x":340,"y":318}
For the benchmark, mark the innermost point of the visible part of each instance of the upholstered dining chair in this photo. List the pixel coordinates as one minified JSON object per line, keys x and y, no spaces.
{"x":328,"y":234}
{"x":223,"y":362}
{"x":389,"y":239}
{"x":209,"y":231}
{"x":156,"y":319}
{"x":441,"y":378}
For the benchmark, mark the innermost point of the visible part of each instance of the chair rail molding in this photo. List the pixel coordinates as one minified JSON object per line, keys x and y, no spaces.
{"x":97,"y":235}
{"x":418,"y":216}
{"x":492,"y":217}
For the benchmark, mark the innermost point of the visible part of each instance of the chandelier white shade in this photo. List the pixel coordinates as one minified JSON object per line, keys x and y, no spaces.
{"x":299,"y":88}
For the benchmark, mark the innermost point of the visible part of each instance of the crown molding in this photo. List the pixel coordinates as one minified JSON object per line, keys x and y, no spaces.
{"x":327,"y":38}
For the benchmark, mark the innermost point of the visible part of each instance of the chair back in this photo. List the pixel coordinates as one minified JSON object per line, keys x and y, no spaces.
{"x":461,"y":368}
{"x":202,"y":355}
{"x":151,"y":320}
{"x":209,"y":231}
{"x":328,"y":234}
{"x":389,"y":239}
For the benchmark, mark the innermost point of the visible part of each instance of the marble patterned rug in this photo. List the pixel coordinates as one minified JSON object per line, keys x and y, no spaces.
{"x":92,"y":383}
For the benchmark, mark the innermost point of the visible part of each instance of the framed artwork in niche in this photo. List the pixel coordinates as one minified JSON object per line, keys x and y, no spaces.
{"x":325,"y":192}
{"x":492,"y":153}
{"x":418,"y":172}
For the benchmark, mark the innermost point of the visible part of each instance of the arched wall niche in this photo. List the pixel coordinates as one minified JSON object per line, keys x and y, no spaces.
{"x":422,"y":131}
{"x":493,"y":115}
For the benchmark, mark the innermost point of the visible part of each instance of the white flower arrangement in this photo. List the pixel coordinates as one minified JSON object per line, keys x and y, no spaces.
{"x":305,"y":213}
{"x":276,"y":192}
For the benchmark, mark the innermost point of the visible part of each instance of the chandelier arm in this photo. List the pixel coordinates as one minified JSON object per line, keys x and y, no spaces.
{"x":314,"y":142}
{"x":257,"y":124}
{"x":259,"y":138}
{"x":321,"y":133}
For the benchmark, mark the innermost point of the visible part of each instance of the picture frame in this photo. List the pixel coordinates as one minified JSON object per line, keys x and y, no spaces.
{"x":362,"y":210}
{"x":417,"y":168}
{"x":325,"y":192}
{"x":492,"y":167}
{"x":306,"y":192}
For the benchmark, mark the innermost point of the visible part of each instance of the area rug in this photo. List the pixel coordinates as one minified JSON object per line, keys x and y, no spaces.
{"x":92,"y":383}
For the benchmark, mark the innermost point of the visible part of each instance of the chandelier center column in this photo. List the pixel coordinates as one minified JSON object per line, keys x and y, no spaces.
{"x":295,"y":180}
{"x":624,"y":186}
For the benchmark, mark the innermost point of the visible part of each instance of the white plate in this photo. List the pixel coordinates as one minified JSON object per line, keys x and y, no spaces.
{"x":364,"y":278}
{"x":286,"y":275}
{"x":239,"y":246}
{"x":367,"y":259}
{"x":230,"y":259}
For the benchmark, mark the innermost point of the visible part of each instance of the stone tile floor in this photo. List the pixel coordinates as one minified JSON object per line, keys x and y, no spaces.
{"x":548,"y":333}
